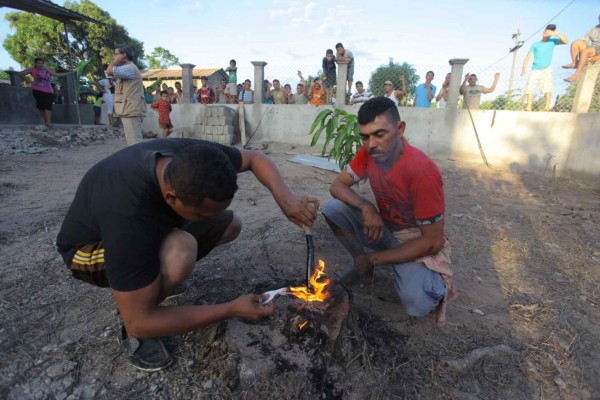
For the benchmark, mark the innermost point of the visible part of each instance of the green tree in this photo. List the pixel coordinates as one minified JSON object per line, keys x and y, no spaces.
{"x":565,"y":102}
{"x":38,"y":36}
{"x":392,"y":72}
{"x":161,"y":58}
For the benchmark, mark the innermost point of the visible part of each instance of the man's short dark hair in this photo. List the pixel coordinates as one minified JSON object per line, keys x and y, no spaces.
{"x":432,"y":73}
{"x":474,"y":76}
{"x":38,"y":59}
{"x":329,"y":51}
{"x":301,"y":85}
{"x":551,"y":27}
{"x":359,"y":83}
{"x":127,"y":50}
{"x":377,"y":106}
{"x":275,"y":80}
{"x":339,"y":45}
{"x":232,"y":61}
{"x":164,"y":92}
{"x":201,"y":172}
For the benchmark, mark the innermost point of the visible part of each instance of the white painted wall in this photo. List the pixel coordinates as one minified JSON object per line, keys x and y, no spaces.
{"x":507,"y":137}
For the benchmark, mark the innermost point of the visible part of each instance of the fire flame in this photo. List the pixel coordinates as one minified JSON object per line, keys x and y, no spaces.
{"x":318,"y":293}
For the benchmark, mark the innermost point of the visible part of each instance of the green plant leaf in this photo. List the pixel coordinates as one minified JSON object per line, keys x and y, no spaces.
{"x":319,"y":120}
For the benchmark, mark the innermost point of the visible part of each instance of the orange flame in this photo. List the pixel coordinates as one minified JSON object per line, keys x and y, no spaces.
{"x":319,"y":293}
{"x":302,"y":325}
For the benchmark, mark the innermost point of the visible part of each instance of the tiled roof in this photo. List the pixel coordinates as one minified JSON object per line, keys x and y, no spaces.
{"x":176,"y":73}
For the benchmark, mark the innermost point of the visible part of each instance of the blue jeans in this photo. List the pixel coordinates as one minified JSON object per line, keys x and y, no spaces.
{"x":420,"y":289}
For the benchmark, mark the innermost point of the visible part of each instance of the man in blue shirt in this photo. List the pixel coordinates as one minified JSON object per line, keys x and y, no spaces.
{"x":425,"y":91}
{"x":541,"y":69}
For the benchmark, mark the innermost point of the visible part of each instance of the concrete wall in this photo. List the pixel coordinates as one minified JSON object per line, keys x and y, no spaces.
{"x":17,"y":106}
{"x":571,"y":140}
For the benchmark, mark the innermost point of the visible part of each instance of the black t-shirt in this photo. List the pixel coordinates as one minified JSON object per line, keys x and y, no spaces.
{"x":120,"y":203}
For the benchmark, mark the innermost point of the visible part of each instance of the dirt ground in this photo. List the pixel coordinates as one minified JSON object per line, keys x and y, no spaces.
{"x":526,"y":252}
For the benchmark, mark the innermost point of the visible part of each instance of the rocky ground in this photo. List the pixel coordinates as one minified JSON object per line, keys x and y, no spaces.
{"x":526,"y":258}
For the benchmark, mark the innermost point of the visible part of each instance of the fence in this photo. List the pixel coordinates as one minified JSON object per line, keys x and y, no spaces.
{"x":373,"y":77}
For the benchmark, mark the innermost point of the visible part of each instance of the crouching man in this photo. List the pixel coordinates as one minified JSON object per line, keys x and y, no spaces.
{"x":143,"y":216}
{"x":405,"y":229}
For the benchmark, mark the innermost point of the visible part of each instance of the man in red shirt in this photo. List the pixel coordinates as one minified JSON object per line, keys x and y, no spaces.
{"x":405,"y":229}
{"x":206,"y":94}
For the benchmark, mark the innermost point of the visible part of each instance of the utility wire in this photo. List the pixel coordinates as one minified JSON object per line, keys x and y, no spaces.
{"x":535,"y":33}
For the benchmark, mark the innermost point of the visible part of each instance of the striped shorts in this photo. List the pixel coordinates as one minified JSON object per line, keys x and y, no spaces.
{"x":88,"y":264}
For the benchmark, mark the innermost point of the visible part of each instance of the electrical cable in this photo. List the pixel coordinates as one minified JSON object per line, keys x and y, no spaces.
{"x":535,"y":33}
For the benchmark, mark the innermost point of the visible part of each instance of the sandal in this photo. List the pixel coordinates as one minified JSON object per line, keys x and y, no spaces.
{"x":145,"y":354}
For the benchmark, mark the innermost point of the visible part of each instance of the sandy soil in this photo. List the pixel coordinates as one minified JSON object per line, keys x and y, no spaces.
{"x":526,"y":255}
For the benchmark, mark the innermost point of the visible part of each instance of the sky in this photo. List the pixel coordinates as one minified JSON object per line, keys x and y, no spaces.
{"x":293,"y":35}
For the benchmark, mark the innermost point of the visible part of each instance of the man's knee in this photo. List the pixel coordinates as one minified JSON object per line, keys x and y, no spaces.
{"x":178,"y":254}
{"x":420,"y":289}
{"x":233,"y":230}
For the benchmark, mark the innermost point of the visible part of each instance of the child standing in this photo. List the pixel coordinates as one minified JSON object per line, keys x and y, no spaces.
{"x":329,"y":74}
{"x":231,"y":89}
{"x":97,"y":108}
{"x":163,"y":106}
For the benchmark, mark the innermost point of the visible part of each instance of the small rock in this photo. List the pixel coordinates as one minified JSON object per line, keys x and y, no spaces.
{"x":60,"y":368}
{"x":477,"y":311}
{"x":207,"y":385}
{"x":560,"y":382}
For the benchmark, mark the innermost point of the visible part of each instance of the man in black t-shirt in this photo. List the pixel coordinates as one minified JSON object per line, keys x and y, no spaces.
{"x":143,"y":216}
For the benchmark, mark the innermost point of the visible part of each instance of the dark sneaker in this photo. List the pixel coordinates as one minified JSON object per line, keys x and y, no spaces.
{"x":145,"y":354}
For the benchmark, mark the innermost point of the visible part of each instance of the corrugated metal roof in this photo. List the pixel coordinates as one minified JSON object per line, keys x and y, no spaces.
{"x":152,"y":74}
{"x":48,"y":9}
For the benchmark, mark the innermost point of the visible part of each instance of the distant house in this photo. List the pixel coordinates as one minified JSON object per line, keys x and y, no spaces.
{"x":170,"y":76}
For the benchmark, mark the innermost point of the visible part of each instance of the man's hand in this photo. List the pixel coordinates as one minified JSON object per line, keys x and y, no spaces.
{"x":301,"y":210}
{"x":119,"y":58}
{"x":523,"y":73}
{"x":497,"y":76}
{"x":371,"y":222}
{"x":467,"y":76}
{"x":402,"y":78}
{"x":250,"y":307}
{"x":364,"y":266}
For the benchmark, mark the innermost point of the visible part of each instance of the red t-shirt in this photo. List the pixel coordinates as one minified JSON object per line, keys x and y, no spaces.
{"x":410,"y":194}
{"x":206,"y":95}
{"x":164,"y":109}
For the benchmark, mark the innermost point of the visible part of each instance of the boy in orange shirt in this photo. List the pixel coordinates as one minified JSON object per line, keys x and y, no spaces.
{"x":316,"y":92}
{"x":163,"y":106}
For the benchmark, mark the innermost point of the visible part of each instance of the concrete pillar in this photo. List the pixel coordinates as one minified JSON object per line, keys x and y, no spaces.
{"x":340,"y":96}
{"x":67,"y":85}
{"x":259,"y":77}
{"x":585,"y":88}
{"x":455,"y":81}
{"x":15,"y":80}
{"x":187,"y":82}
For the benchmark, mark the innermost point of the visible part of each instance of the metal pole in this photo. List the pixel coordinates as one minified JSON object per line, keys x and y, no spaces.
{"x":518,"y":45}
{"x":71,"y":68}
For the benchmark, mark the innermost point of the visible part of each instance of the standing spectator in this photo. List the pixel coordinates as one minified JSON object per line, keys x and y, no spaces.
{"x":425,"y":91}
{"x":247,"y":94}
{"x":581,"y":53}
{"x":300,"y":96}
{"x":442,"y":97}
{"x":179,"y":91}
{"x":404,"y":228}
{"x":329,"y":76}
{"x":60,"y":98}
{"x":346,"y":55}
{"x":130,"y":106}
{"x":157,"y":92}
{"x":361,"y":94}
{"x":148,"y":96}
{"x":472,"y":92}
{"x":163,"y":107}
{"x":289,"y":97}
{"x":277,"y":93}
{"x":98,"y":108}
{"x":541,"y":70}
{"x":42,"y":88}
{"x":231,"y":91}
{"x":194,"y":98}
{"x":165,"y":87}
{"x":206,"y":94}
{"x":220,"y":92}
{"x":394,"y":95}
{"x":267,"y":97}
{"x":316,"y":92}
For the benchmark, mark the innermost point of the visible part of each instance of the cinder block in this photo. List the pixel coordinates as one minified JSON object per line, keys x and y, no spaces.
{"x":225,"y":120}
{"x":209,"y":137}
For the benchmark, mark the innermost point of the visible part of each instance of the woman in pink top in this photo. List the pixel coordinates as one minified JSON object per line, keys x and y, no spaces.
{"x":42,"y":88}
